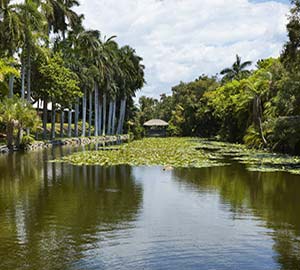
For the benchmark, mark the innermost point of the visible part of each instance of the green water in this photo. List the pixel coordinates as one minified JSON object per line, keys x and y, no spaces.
{"x":59,"y":216}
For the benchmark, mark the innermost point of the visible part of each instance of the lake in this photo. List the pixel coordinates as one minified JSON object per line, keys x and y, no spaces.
{"x":65,"y":217}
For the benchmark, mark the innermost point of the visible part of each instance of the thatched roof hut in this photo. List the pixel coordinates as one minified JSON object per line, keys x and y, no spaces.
{"x":156,"y":123}
{"x":156,"y":128}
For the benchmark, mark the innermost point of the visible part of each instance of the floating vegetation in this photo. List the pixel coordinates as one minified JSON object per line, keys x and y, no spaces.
{"x":175,"y":152}
{"x":185,"y":153}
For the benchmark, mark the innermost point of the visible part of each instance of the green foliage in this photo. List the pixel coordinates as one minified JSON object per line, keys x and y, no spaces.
{"x":27,"y":139}
{"x":17,"y":114}
{"x":6,"y":69}
{"x":58,"y":82}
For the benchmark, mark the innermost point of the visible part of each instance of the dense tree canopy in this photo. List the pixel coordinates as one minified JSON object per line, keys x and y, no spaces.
{"x":63,"y":64}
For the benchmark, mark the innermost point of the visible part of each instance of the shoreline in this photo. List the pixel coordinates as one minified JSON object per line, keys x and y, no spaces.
{"x":38,"y":145}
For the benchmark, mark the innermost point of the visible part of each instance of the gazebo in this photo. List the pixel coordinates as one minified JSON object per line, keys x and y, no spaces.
{"x":156,"y":128}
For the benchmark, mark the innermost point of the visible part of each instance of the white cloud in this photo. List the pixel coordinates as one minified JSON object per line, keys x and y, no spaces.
{"x":181,"y":39}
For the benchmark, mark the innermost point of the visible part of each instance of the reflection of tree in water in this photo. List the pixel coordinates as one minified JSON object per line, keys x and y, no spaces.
{"x":51,"y":213}
{"x":273,"y":197}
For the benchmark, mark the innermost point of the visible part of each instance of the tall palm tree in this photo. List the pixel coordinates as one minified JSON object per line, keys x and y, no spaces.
{"x":33,"y":23}
{"x":11,"y":34}
{"x":85,"y":46}
{"x":238,"y":70}
{"x":131,"y":80}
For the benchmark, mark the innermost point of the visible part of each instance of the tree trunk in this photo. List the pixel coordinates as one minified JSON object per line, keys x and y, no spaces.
{"x":257,"y":112}
{"x":45,"y":111}
{"x":96,"y":110}
{"x":11,"y":86}
{"x":109,"y":117}
{"x":53,"y":114}
{"x":23,"y":71}
{"x":123,"y":116}
{"x":100,"y":118}
{"x":113,"y":123}
{"x":10,"y":135}
{"x":76,"y":117}
{"x":119,"y":129}
{"x":28,"y":76}
{"x":38,"y":113}
{"x":28,"y":83}
{"x":19,"y":137}
{"x":90,"y":113}
{"x":104,"y":115}
{"x":83,"y":129}
{"x":70,"y":122}
{"x":62,"y":122}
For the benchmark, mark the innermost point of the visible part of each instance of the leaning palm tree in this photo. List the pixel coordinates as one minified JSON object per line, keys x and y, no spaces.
{"x":238,"y":70}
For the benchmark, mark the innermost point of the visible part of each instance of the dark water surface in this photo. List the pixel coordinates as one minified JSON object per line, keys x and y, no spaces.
{"x":58,"y":216}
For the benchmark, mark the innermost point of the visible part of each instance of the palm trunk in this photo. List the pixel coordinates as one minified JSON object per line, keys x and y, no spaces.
{"x":38,"y":112}
{"x":45,"y":111}
{"x":109,"y":117}
{"x":123,"y":116}
{"x":70,"y":122}
{"x":62,"y":122}
{"x":83,"y":129}
{"x":90,"y":112}
{"x":96,"y":110}
{"x":28,"y":83}
{"x":113,"y":123}
{"x":28,"y":76}
{"x":104,"y":115}
{"x":120,"y":117}
{"x":11,"y":86}
{"x":100,"y":118}
{"x":23,"y":71}
{"x":76,"y":117}
{"x":53,"y":114}
{"x":257,"y":112}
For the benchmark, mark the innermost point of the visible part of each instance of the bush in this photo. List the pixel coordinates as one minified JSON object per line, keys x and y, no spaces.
{"x":27,"y":140}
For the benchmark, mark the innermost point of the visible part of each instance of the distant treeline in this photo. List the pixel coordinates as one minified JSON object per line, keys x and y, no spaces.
{"x":260,"y":108}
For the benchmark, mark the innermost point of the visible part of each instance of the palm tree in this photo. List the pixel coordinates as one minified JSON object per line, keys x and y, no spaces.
{"x":106,"y":65}
{"x":11,"y":34}
{"x":85,"y":46}
{"x":237,"y":71}
{"x":131,"y":80}
{"x":32,"y":23}
{"x":256,"y":89}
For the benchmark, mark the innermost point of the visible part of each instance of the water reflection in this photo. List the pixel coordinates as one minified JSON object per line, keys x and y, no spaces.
{"x":270,"y":197}
{"x":51,"y":214}
{"x":57,"y":216}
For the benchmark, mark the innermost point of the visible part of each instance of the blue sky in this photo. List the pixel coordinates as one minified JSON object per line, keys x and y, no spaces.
{"x":182,"y":39}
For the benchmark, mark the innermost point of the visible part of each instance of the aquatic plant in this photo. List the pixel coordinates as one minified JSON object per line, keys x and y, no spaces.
{"x":185,"y":153}
{"x":175,"y":152}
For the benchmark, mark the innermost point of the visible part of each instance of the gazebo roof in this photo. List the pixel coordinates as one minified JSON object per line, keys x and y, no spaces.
{"x":156,"y":123}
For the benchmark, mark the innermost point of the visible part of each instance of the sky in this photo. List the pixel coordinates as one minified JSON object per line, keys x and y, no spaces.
{"x":181,"y":39}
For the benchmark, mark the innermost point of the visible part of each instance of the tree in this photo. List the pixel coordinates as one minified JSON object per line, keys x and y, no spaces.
{"x":256,"y":87}
{"x":6,"y":70}
{"x":290,"y":55}
{"x":11,"y":34}
{"x":58,"y":84}
{"x":17,"y":113}
{"x":237,"y":71}
{"x":131,"y":80}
